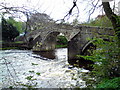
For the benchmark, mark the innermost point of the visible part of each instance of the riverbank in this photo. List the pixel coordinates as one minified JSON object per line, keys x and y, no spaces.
{"x":13,"y":45}
{"x":61,"y":46}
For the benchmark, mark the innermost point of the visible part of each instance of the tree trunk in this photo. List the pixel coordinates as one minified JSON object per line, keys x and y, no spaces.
{"x":113,"y":18}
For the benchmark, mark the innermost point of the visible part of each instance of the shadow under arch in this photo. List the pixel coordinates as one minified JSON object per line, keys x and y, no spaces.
{"x":51,"y":39}
{"x":88,"y":48}
{"x":32,"y":41}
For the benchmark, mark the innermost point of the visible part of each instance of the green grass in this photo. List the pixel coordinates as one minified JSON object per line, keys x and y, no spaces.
{"x":31,"y":71}
{"x":38,"y":73}
{"x":61,"y":46}
{"x":18,"y":42}
{"x":34,"y":64}
{"x":30,"y":78}
{"x":12,"y":42}
{"x":8,"y":48}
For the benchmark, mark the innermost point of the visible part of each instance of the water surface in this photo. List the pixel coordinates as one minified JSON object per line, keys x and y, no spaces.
{"x":17,"y":65}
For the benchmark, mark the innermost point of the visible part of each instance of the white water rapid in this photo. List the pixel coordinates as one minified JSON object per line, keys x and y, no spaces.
{"x":19,"y":68}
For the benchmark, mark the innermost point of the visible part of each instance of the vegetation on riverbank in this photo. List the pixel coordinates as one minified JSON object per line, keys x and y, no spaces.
{"x":8,"y":48}
{"x":13,"y":45}
{"x":110,"y":83}
{"x":101,"y":21}
{"x":107,"y":62}
{"x":106,"y":68}
{"x":61,"y":42}
{"x":9,"y":32}
{"x":61,"y":46}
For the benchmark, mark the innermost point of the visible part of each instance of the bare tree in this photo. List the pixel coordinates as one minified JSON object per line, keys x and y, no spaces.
{"x":17,"y":12}
{"x":39,"y":21}
{"x":114,"y":18}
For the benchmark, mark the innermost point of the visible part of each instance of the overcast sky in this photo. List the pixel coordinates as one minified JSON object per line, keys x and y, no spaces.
{"x":57,"y":9}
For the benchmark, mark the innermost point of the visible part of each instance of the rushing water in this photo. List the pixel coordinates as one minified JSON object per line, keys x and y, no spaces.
{"x":23,"y":67}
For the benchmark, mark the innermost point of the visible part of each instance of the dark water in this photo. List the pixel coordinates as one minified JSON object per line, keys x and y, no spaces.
{"x":46,"y":54}
{"x":53,"y":54}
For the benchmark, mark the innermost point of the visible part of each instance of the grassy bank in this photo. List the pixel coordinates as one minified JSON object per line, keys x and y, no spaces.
{"x":61,"y":46}
{"x":13,"y":45}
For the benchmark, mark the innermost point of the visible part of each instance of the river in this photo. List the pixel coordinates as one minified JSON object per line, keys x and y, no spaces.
{"x":20,"y":68}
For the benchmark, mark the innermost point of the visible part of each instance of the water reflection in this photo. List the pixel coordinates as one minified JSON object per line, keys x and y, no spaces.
{"x":61,"y":53}
{"x":56,"y":54}
{"x":47,"y":54}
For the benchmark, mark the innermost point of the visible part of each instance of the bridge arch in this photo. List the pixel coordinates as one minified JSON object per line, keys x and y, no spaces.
{"x":47,"y":42}
{"x":88,"y":46}
{"x":32,"y":41}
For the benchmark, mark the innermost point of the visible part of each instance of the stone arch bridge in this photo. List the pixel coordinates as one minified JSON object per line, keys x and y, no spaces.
{"x":45,"y":39}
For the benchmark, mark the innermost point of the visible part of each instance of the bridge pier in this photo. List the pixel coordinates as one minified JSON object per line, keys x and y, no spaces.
{"x":48,"y":44}
{"x":74,"y":49}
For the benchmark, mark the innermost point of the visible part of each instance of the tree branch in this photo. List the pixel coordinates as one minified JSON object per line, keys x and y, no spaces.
{"x":111,"y":15}
{"x":70,"y":11}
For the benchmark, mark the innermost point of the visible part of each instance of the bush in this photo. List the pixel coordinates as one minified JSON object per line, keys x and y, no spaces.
{"x":106,"y":57}
{"x":61,"y":40}
{"x":9,"y":32}
{"x":112,"y":83}
{"x":17,"y":24}
{"x":102,"y":22}
{"x":107,"y":61}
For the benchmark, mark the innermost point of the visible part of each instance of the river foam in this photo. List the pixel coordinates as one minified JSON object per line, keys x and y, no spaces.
{"x":17,"y":66}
